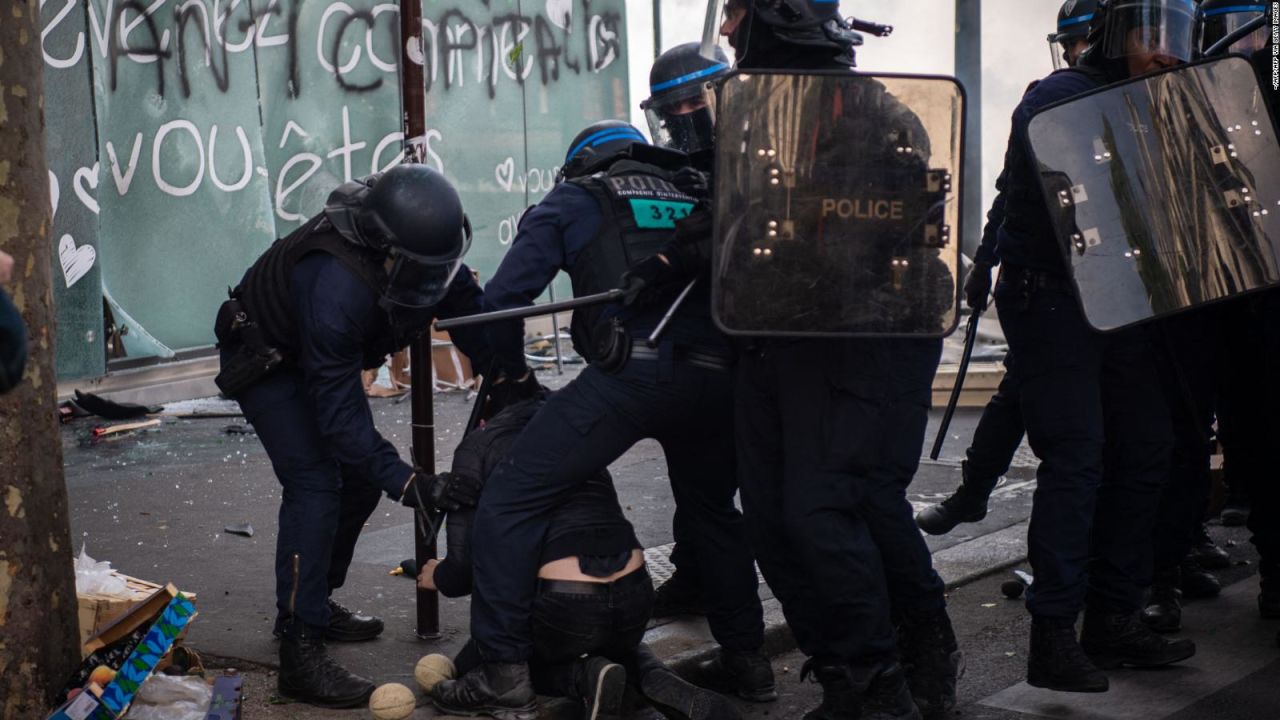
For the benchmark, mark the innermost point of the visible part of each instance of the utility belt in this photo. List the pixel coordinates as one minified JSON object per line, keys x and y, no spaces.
{"x":622,"y":346}
{"x":252,"y":358}
{"x":1034,"y":280}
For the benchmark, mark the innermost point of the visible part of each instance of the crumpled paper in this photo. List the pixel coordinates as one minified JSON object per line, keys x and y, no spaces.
{"x":97,"y":578}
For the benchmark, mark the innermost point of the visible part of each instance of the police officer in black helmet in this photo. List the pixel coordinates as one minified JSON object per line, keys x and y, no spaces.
{"x":818,"y":522}
{"x":612,"y":218}
{"x":355,"y":283}
{"x":1095,"y":411}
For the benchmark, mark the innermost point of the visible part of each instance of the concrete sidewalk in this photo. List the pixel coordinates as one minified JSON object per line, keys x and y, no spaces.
{"x":156,"y":504}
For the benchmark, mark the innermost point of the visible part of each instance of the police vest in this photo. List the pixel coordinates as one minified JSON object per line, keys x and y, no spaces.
{"x":265,"y":289}
{"x":640,"y":205}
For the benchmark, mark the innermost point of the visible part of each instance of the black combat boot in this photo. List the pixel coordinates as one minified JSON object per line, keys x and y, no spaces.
{"x":1198,"y":583}
{"x":501,"y":690}
{"x":931,"y":660}
{"x":747,"y":675}
{"x":309,"y":675}
{"x":1057,"y":662}
{"x":967,"y":504}
{"x":1120,"y":639}
{"x":854,"y":692}
{"x":347,"y":626}
{"x":1207,"y":553}
{"x":1269,"y":596}
{"x":679,"y":595}
{"x":1163,"y":612}
{"x":679,"y":700}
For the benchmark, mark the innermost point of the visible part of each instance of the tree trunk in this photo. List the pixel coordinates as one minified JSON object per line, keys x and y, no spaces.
{"x":39,"y":636}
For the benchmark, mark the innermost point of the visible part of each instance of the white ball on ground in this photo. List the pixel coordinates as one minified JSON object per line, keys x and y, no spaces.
{"x":392,"y":701}
{"x":433,"y":668}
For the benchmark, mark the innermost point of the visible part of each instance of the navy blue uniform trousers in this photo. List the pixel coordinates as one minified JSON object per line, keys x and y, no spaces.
{"x":829,"y":437}
{"x":998,"y":435}
{"x":583,"y":427}
{"x":1097,"y":419}
{"x":324,"y":504}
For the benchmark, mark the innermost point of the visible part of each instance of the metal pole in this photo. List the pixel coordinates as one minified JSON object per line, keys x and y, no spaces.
{"x":414,"y":105}
{"x":555,"y":330}
{"x":519,"y":313}
{"x":657,"y":28}
{"x":969,"y":73}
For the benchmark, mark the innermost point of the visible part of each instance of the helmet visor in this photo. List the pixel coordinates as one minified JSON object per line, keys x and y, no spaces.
{"x":687,"y":125}
{"x":724,"y":20}
{"x":419,"y":281}
{"x":1151,"y":28}
{"x":1218,"y":23}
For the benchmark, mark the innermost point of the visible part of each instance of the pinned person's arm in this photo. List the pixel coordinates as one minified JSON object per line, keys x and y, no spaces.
{"x":335,"y":314}
{"x":13,"y":344}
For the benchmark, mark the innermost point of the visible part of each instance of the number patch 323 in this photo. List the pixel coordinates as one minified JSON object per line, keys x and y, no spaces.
{"x":658,"y":214}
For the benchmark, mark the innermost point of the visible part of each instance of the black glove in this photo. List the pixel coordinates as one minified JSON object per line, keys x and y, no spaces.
{"x":689,"y":252}
{"x":640,"y":282}
{"x":977,"y":287}
{"x":508,"y":391}
{"x":446,"y":491}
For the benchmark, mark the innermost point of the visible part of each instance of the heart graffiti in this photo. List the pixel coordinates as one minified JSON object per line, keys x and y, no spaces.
{"x":76,"y":261}
{"x":89,"y":176}
{"x":505,"y":173}
{"x":54,"y":192}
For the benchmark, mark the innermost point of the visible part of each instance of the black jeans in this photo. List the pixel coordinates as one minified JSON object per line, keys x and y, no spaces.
{"x":583,"y":427}
{"x":1097,"y":419}
{"x":829,"y":437}
{"x":569,"y":624}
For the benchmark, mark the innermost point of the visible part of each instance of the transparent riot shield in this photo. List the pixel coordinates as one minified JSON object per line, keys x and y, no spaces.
{"x":1164,"y":192}
{"x":837,"y":204}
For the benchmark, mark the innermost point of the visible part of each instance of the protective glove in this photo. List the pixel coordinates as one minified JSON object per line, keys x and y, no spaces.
{"x":445,"y":491}
{"x":689,"y":252}
{"x":977,"y":287}
{"x":506,"y":392}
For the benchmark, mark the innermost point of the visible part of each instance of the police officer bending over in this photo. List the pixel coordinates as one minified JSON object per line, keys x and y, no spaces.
{"x":613,"y":213}
{"x":356,"y":282}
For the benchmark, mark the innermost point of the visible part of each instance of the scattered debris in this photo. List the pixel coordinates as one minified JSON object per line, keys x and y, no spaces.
{"x":244,"y":529}
{"x":113,"y":410}
{"x":988,"y":605}
{"x":102,"y":430}
{"x":239,"y":429}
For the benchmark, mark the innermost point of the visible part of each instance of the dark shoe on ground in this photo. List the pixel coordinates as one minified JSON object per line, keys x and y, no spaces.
{"x":603,"y":685}
{"x":965,"y":505}
{"x":678,"y":596}
{"x":889,"y":698}
{"x":1236,"y":511}
{"x":1163,"y":612}
{"x":348,"y":626}
{"x":851,"y":692}
{"x":1208,"y":554}
{"x":931,"y":660}
{"x":680,"y":700}
{"x":500,"y":690}
{"x":309,"y":675}
{"x":1269,"y":604}
{"x":1114,"y":640}
{"x":1198,"y":583}
{"x":747,"y":675}
{"x":1057,"y":662}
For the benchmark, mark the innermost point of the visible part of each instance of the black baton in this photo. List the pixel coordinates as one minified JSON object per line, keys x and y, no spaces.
{"x":970,"y":336}
{"x":532,"y":310}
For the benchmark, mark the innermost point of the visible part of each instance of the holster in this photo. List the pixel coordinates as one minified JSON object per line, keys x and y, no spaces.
{"x":615,"y":350}
{"x":252,"y":359}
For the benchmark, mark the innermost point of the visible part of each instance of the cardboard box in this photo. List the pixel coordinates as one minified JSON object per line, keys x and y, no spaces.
{"x":97,"y":612}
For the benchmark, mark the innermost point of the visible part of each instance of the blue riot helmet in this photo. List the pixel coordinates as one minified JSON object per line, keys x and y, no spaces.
{"x":597,"y":145}
{"x":760,"y":31}
{"x":1219,"y":18}
{"x":1072,"y":35}
{"x":1134,"y":37}
{"x":413,"y":215}
{"x":677,"y":107}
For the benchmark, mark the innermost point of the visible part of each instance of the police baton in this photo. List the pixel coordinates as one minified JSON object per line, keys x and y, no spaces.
{"x":970,"y":336}
{"x":532,"y":310}
{"x":652,"y":340}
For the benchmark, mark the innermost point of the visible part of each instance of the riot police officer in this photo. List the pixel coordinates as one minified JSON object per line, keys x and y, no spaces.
{"x":1000,"y":430}
{"x":679,"y":118}
{"x":829,"y":436}
{"x":613,"y":213}
{"x":355,"y":283}
{"x":1083,"y":392}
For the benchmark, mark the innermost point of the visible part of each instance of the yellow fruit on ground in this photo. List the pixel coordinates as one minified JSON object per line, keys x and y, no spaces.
{"x":102,"y":675}
{"x":431,"y":669}
{"x":392,"y":701}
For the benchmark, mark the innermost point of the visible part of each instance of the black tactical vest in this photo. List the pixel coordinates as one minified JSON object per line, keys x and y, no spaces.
{"x":265,"y":288}
{"x":639,"y":205}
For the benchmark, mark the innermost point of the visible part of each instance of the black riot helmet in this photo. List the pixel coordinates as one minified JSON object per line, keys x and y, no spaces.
{"x":1122,"y":29}
{"x":771,"y":30}
{"x":677,"y":107}
{"x":1073,"y":27}
{"x":413,"y":214}
{"x":597,"y":145}
{"x":1219,"y":18}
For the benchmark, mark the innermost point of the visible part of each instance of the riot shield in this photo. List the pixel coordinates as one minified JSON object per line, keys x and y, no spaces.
{"x":1163,"y":192}
{"x":837,"y":204}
